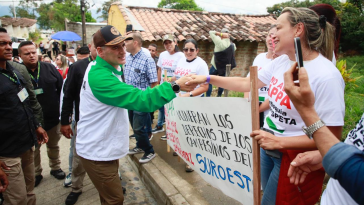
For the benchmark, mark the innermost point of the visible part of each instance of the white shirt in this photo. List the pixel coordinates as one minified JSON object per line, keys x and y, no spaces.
{"x":260,"y":61}
{"x":102,"y":128}
{"x":334,"y":193}
{"x":168,"y":62}
{"x":326,"y":83}
{"x":197,"y":66}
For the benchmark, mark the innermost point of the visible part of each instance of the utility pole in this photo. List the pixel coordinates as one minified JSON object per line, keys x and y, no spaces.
{"x":83,"y":8}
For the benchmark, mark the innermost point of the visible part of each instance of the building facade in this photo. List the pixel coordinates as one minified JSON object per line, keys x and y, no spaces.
{"x":248,"y":32}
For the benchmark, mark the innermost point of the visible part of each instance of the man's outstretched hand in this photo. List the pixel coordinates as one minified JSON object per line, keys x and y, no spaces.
{"x":184,"y":86}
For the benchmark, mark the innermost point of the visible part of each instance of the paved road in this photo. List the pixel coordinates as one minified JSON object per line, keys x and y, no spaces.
{"x":51,"y":191}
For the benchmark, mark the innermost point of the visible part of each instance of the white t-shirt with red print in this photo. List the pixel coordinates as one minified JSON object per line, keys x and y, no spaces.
{"x":197,"y":67}
{"x":168,"y":62}
{"x":326,"y":83}
{"x":260,"y":61}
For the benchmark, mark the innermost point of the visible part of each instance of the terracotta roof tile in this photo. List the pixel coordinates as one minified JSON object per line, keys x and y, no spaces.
{"x":22,"y":22}
{"x":196,"y":24}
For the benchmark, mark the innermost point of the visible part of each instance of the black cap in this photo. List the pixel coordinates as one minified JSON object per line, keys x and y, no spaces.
{"x":108,"y":35}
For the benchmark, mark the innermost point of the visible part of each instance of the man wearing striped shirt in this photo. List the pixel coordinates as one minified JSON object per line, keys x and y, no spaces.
{"x":140,"y":72}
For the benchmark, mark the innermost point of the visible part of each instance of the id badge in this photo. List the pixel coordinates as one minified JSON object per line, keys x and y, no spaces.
{"x":23,"y":94}
{"x":38,"y":91}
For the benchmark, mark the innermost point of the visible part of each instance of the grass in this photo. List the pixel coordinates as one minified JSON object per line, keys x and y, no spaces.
{"x":354,"y":94}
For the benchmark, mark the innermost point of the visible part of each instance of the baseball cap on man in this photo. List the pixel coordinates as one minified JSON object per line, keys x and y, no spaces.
{"x":108,"y":36}
{"x":168,"y":37}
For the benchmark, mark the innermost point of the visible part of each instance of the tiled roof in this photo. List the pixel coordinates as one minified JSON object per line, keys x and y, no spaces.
{"x":196,"y":24}
{"x":22,"y":22}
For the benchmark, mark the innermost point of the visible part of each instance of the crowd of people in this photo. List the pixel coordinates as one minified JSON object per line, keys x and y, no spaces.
{"x":114,"y":82}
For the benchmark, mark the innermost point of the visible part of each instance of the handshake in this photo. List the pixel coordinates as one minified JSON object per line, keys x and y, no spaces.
{"x":189,"y":82}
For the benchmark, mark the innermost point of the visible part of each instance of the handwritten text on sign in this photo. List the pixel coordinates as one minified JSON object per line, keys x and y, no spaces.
{"x":212,"y":136}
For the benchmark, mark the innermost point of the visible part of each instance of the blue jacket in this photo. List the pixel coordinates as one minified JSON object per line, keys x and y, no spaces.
{"x":346,"y":164}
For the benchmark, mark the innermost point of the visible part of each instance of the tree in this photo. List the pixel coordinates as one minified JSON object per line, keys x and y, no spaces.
{"x":352,"y":32}
{"x":180,"y":5}
{"x":44,"y":11}
{"x":105,"y":9}
{"x":24,"y":10}
{"x":276,"y":9}
{"x":53,"y":15}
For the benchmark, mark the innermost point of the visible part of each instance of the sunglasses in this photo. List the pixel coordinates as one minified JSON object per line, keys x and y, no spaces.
{"x":190,"y":49}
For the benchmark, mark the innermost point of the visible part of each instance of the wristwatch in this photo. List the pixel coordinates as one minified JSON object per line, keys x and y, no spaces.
{"x":38,"y":125}
{"x":313,"y":128}
{"x":175,"y":87}
{"x":191,"y":95}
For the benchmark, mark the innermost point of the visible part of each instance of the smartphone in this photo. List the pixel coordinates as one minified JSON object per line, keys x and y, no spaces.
{"x":272,"y":153}
{"x":297,"y":45}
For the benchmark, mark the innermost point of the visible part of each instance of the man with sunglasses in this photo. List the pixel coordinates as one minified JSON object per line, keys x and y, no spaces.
{"x":103,"y":128}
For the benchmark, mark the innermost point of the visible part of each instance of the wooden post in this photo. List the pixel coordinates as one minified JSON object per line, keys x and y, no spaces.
{"x":228,"y":68}
{"x":166,"y":79}
{"x":255,"y":126}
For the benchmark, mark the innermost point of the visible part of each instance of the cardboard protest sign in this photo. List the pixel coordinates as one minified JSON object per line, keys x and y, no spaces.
{"x":213,"y":136}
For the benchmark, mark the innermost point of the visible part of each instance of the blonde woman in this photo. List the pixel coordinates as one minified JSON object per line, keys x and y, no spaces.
{"x":62,"y":65}
{"x":317,"y":39}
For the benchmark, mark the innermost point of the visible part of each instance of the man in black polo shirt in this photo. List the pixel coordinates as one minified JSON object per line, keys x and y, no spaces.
{"x":47,"y":84}
{"x":18,"y":128}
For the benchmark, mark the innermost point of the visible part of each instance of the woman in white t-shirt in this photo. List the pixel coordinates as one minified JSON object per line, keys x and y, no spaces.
{"x":191,"y":64}
{"x":334,"y":193}
{"x":283,"y":119}
{"x":260,"y":61}
{"x":167,"y":61}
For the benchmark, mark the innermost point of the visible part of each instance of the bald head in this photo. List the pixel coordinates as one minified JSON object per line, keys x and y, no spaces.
{"x":138,"y":38}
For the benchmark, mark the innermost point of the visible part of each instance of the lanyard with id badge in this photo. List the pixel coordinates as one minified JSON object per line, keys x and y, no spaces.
{"x":37,"y":90}
{"x":23,"y":94}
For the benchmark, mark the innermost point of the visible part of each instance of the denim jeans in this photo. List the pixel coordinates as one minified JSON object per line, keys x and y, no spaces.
{"x":72,"y":144}
{"x":131,"y":120}
{"x":270,"y":168}
{"x":213,"y":71}
{"x":160,"y":117}
{"x":141,"y":120}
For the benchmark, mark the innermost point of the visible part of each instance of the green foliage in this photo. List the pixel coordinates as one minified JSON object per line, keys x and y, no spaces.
{"x":44,"y":11}
{"x":25,"y":9}
{"x":105,"y":9}
{"x":352,"y":32}
{"x":53,"y":15}
{"x":34,"y":36}
{"x":346,"y":73}
{"x":277,"y":8}
{"x":180,"y":5}
{"x":354,"y":94}
{"x":350,"y":14}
